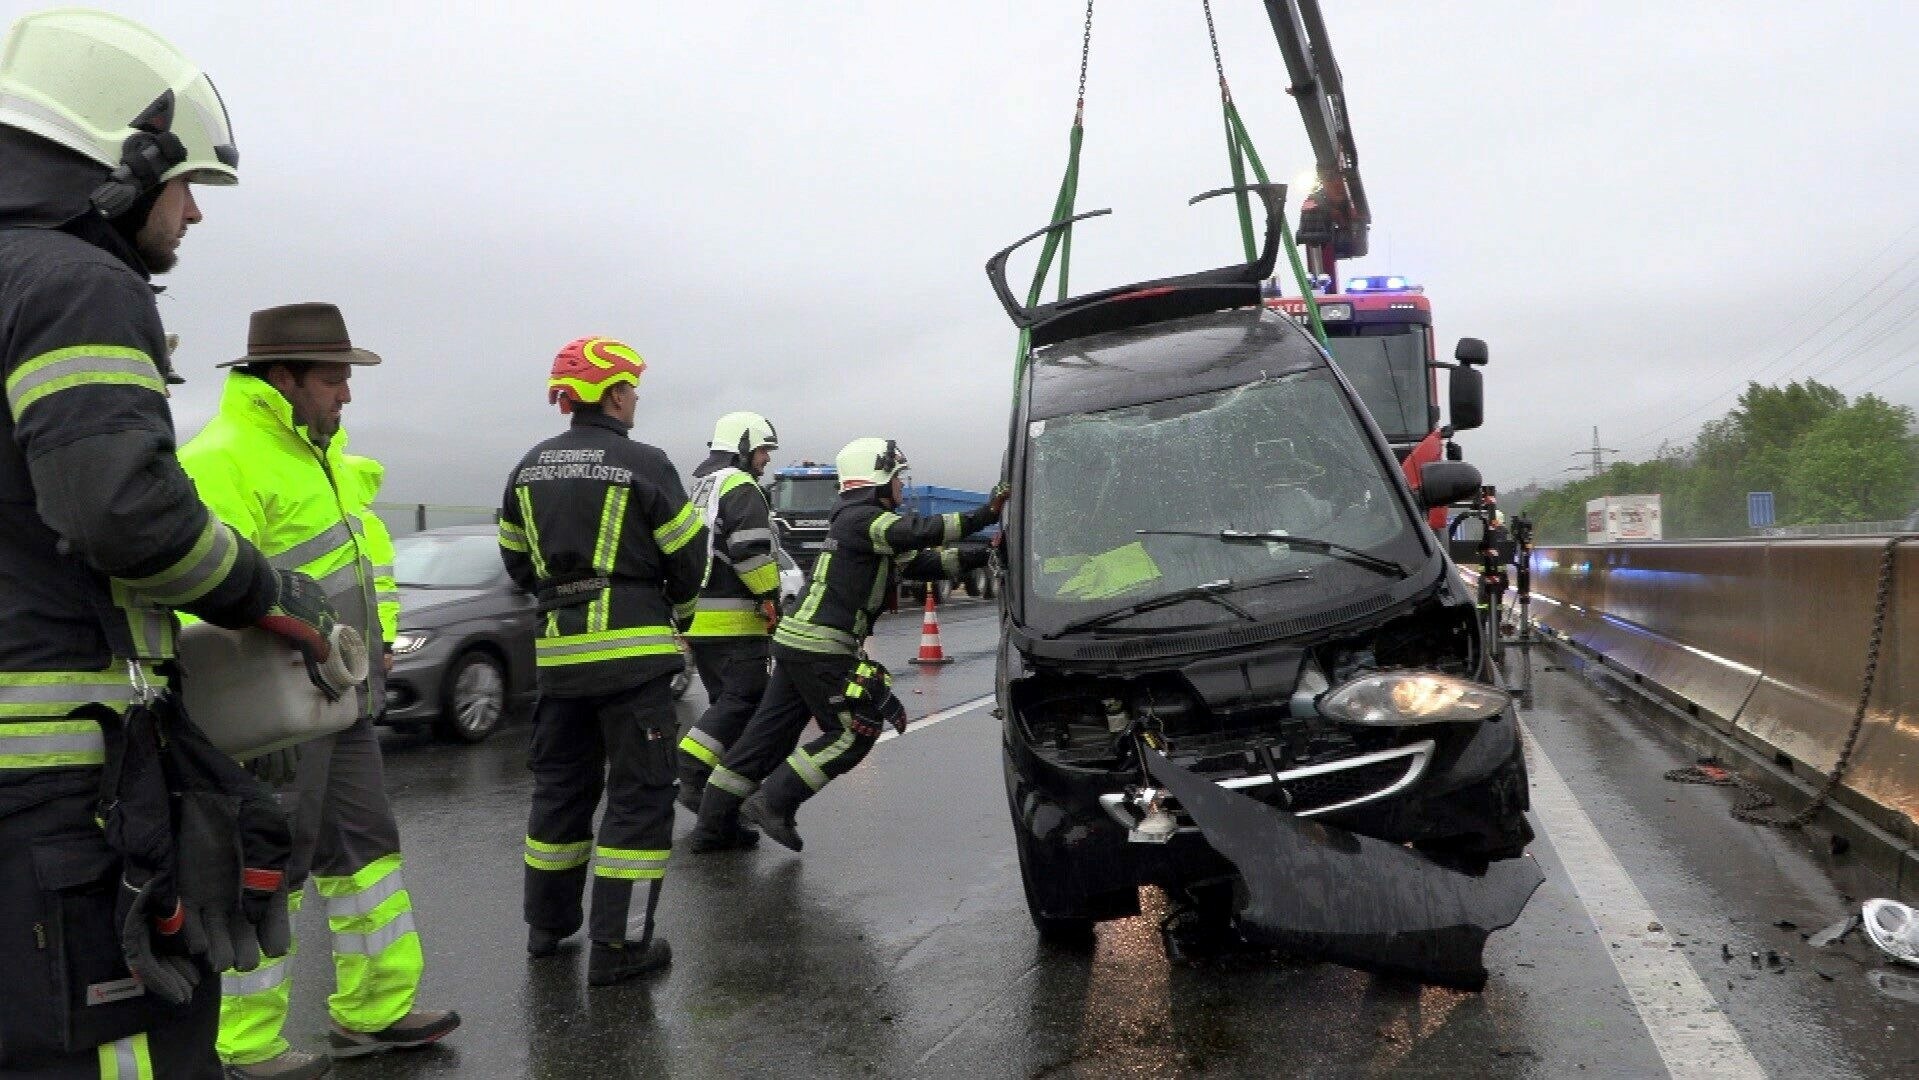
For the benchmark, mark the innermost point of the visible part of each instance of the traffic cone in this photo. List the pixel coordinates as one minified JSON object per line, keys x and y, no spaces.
{"x":931,"y":655}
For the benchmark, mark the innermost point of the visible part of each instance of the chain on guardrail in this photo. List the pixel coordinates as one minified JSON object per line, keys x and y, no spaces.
{"x":1753,"y":810}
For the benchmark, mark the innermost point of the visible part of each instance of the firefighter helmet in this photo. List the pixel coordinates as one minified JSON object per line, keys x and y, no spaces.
{"x":742,"y":433}
{"x":587,"y":368}
{"x":117,"y":93}
{"x":869,"y":462}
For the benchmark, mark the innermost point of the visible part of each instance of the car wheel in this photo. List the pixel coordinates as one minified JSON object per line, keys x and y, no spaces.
{"x":474,"y":703}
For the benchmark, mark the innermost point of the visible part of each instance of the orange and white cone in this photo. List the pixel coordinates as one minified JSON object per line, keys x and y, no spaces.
{"x":931,"y":655}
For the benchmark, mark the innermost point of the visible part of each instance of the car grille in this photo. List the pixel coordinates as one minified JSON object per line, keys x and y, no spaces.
{"x":1310,"y":793}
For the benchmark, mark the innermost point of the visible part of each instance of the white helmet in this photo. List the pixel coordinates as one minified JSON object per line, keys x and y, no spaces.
{"x":742,"y":433}
{"x":113,"y":91}
{"x":869,"y":462}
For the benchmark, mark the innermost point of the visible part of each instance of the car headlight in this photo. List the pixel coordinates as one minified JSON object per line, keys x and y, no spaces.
{"x":1404,"y":698}
{"x":407,"y":641}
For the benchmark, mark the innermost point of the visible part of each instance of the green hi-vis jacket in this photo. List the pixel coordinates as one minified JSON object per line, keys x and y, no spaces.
{"x":599,"y":528}
{"x":306,"y":508}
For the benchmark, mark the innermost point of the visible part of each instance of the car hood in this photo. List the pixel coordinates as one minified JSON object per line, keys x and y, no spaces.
{"x":419,"y":605}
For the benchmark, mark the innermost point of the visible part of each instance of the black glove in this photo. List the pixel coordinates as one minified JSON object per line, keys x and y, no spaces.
{"x":997,"y":501}
{"x":868,"y":702}
{"x":170,"y":976}
{"x":303,"y":616}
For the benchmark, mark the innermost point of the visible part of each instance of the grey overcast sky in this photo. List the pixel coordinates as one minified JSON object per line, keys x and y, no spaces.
{"x":786,"y":206}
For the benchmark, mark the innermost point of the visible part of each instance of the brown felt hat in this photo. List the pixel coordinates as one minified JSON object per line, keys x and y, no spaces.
{"x":300,"y":334}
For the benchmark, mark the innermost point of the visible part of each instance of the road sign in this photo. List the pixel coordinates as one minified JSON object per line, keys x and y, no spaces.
{"x":1759,"y":513}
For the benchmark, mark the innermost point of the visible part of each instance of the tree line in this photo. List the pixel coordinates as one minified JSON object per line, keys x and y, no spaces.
{"x":1826,"y":460}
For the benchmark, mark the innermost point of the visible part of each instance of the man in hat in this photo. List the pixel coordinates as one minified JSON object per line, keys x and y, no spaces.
{"x":272,"y":464}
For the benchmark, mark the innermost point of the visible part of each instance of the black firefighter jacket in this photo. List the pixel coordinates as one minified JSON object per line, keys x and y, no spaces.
{"x":598,"y":527}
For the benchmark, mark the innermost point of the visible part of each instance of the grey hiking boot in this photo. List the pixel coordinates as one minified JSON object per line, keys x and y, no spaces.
{"x":416,"y":1029}
{"x":287,"y":1065}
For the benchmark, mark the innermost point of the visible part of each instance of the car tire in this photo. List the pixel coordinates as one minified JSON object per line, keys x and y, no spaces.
{"x":473,"y":703}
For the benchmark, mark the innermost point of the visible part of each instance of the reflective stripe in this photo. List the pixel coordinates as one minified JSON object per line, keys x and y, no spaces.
{"x":525,"y":495}
{"x":809,"y":772}
{"x":742,"y":537}
{"x":817,"y":639}
{"x":352,"y":905}
{"x":950,"y":562}
{"x":876,"y":533}
{"x":680,"y":531}
{"x":544,"y":856}
{"x":40,"y":744}
{"x":340,"y":582}
{"x":197,"y":573}
{"x":375,"y":942}
{"x":605,"y":645}
{"x":702,"y":746}
{"x":731,"y":782}
{"x":271,"y":973}
{"x":630,"y":864}
{"x":383,"y":570}
{"x":953,"y":525}
{"x":747,"y":566}
{"x":763,"y":580}
{"x":512,"y":537}
{"x":126,"y":1059}
{"x":57,"y":693}
{"x":727,"y":624}
{"x":606,"y":550}
{"x":335,"y":537}
{"x":834,"y":752}
{"x":80,"y":365}
{"x":725,"y":603}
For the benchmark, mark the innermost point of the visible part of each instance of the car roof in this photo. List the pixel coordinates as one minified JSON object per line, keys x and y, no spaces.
{"x":1176,"y":358}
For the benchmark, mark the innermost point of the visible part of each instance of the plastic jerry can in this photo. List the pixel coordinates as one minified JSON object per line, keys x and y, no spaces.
{"x":249,"y":692}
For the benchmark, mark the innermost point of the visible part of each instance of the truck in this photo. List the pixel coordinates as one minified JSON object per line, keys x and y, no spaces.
{"x":1615,"y":519}
{"x":803,"y":496}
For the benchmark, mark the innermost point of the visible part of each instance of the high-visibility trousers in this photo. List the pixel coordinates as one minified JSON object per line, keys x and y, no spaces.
{"x":345,"y":836}
{"x":620,"y":745}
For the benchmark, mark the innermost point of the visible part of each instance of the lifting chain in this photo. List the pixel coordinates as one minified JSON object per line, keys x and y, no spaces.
{"x":1751,"y":811}
{"x":1085,"y":52}
{"x":1212,"y":35}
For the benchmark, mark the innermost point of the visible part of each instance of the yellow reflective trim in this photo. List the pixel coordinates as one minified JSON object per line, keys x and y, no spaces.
{"x":680,"y":531}
{"x":525,"y":495}
{"x":762,"y":580}
{"x":698,"y":750}
{"x":81,"y":365}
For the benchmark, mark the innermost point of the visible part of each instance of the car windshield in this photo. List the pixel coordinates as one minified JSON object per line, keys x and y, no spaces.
{"x":427,"y":561}
{"x":805,"y":496}
{"x":1386,"y":363}
{"x":1280,"y":454}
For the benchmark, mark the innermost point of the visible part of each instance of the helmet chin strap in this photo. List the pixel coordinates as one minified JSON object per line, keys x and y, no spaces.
{"x":144,"y":159}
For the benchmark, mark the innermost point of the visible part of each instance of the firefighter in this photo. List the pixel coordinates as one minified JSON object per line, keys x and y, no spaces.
{"x":103,"y":127}
{"x":818,"y":671}
{"x":598,"y":527}
{"x":739,"y":605}
{"x":272,"y":464}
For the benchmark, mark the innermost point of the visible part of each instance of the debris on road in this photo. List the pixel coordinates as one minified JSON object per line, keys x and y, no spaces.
{"x":1894,"y":927}
{"x":1835,"y":933}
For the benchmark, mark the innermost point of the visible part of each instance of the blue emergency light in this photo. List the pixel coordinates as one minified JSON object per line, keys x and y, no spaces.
{"x":1380,"y":283}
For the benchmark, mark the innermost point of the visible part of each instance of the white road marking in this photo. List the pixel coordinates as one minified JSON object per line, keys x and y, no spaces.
{"x":1692,"y":1035}
{"x":930,"y":719}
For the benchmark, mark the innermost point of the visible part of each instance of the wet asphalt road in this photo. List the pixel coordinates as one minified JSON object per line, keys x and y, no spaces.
{"x":898,"y":944}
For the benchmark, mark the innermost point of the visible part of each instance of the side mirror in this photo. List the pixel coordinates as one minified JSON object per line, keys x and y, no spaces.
{"x":1442,"y":483}
{"x":1470,"y":351}
{"x":1467,"y":396}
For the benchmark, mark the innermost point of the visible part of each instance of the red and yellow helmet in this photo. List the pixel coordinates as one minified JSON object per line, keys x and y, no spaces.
{"x":588,"y":367}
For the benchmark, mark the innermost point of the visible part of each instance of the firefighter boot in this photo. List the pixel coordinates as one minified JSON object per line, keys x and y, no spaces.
{"x":612,"y":962}
{"x":773,"y":807}
{"x":693,"y":773}
{"x":719,"y":828}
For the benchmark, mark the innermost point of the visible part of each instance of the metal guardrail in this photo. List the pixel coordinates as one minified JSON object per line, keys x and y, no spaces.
{"x":403,"y":519}
{"x":1850,"y":528}
{"x":1766,"y":640}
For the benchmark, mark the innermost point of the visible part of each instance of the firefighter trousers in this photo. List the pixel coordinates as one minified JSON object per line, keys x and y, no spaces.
{"x":619,"y":744}
{"x":734,"y":673}
{"x":346,"y":839}
{"x":803,"y":686}
{"x":60,"y":945}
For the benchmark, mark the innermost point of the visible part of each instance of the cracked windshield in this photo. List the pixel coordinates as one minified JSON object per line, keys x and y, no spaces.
{"x":1296,"y":461}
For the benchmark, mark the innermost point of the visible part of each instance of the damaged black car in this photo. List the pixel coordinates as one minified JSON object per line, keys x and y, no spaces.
{"x":1214,"y":565}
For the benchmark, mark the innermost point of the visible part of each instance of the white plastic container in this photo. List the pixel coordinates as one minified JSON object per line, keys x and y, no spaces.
{"x":249,"y":692}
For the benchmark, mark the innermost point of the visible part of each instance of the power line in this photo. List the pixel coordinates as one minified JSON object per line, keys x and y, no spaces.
{"x":1877,"y":339}
{"x":1864,"y":321}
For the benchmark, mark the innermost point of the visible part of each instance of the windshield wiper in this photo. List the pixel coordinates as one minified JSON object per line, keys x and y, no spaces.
{"x":1298,"y":543}
{"x":1210,"y":591}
